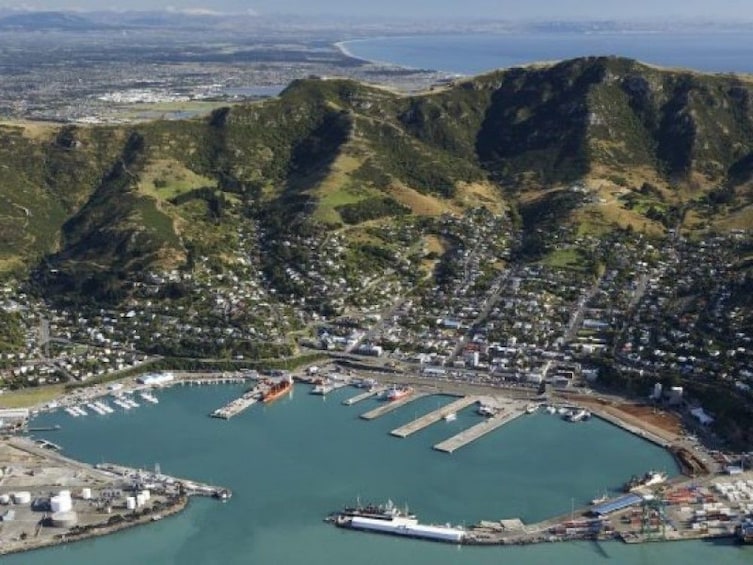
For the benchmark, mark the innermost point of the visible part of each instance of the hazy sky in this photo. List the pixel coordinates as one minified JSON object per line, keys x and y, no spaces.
{"x":497,"y":9}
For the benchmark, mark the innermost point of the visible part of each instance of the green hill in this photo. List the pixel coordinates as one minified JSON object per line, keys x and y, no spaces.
{"x":644,"y":147}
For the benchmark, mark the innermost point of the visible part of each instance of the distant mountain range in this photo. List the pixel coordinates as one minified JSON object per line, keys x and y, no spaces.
{"x":77,"y":21}
{"x":40,"y":21}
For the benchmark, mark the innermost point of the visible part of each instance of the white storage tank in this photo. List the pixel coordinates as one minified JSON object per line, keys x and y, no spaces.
{"x":4,"y":499}
{"x":140,"y":500}
{"x":64,"y":519}
{"x":61,"y":504}
{"x":131,"y":503}
{"x":22,"y":497}
{"x":146,"y":494}
{"x":86,"y":493}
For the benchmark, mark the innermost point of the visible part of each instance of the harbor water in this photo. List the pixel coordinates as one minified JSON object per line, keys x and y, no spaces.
{"x":477,"y":53}
{"x":292,"y":462}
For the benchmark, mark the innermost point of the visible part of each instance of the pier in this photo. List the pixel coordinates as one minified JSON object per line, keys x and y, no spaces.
{"x":475,"y":432}
{"x":393,"y":405}
{"x":235,"y":407}
{"x":435,"y":416}
{"x":363,"y":396}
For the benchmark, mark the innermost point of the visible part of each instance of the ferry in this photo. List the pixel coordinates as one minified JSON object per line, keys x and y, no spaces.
{"x":387,"y":519}
{"x":277,"y":390}
{"x":395,"y":393}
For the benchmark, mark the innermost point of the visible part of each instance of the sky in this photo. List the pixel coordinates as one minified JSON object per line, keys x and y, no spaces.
{"x":434,"y":9}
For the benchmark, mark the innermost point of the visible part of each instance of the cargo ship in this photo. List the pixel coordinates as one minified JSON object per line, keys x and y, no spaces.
{"x":387,"y":519}
{"x":277,"y":390}
{"x":394,"y":393}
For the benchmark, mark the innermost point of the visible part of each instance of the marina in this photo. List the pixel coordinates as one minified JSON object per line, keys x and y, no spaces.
{"x":435,"y":416}
{"x":388,"y":407}
{"x":479,"y":430}
{"x":519,"y":482}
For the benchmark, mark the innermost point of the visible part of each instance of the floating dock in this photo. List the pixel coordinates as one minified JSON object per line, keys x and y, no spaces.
{"x":238,"y":405}
{"x":475,"y":432}
{"x":435,"y":416}
{"x":392,"y":405}
{"x":363,"y":396}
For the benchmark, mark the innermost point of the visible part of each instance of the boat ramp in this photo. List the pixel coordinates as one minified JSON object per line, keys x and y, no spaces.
{"x":475,"y":432}
{"x":435,"y":416}
{"x":393,"y":405}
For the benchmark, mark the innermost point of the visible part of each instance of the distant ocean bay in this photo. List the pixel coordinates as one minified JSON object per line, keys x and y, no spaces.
{"x":470,"y":54}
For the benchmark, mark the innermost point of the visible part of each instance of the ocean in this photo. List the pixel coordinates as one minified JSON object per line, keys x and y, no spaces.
{"x":473,"y":54}
{"x":291,"y":463}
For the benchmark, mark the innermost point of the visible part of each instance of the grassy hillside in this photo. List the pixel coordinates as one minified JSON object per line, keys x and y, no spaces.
{"x":590,"y":143}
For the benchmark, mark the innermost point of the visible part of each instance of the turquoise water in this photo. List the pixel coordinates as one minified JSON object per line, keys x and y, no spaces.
{"x":291,"y":463}
{"x":473,"y":54}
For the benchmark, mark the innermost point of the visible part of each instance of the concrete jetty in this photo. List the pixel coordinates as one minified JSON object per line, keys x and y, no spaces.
{"x":238,"y":405}
{"x":474,"y":432}
{"x":435,"y":416}
{"x":393,"y":405}
{"x":363,"y":396}
{"x":640,"y":432}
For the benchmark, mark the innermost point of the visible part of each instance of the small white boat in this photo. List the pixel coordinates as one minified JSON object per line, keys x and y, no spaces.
{"x":451,"y":417}
{"x":149,"y":397}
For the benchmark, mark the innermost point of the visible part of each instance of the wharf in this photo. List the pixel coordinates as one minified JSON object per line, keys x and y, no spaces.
{"x":363,"y":396}
{"x":475,"y":432}
{"x":212,"y":380}
{"x":435,"y":416}
{"x":235,"y":407}
{"x":645,"y":434}
{"x":392,"y":405}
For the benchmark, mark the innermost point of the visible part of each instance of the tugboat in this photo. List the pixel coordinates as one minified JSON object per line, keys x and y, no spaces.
{"x":223,"y":495}
{"x":649,"y":479}
{"x":745,"y":531}
{"x":395,"y":393}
